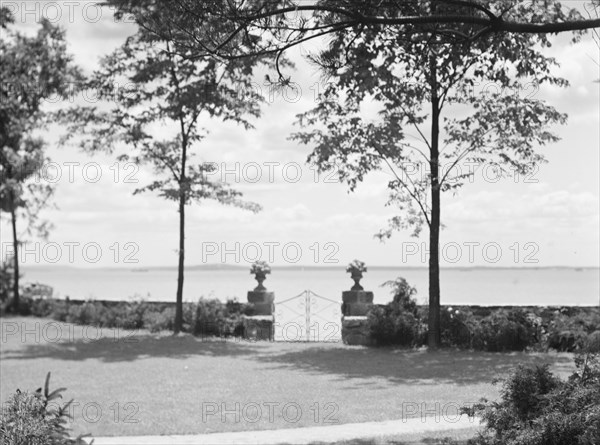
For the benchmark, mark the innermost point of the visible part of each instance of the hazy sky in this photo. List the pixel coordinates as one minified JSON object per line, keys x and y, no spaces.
{"x":550,"y":218}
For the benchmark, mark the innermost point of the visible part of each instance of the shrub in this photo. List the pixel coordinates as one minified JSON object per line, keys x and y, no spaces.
{"x":389,"y":327}
{"x":129,"y":315}
{"x":24,"y":308}
{"x":31,"y":419}
{"x":567,"y":340}
{"x":189,"y":315}
{"x":491,"y":330}
{"x":218,"y":319}
{"x":89,"y":313}
{"x":207,"y":317}
{"x":42,"y":307}
{"x":6,"y":279}
{"x":537,"y":408}
{"x":403,"y":296}
{"x":458,"y":326}
{"x":156,"y":321}
{"x":59,"y":311}
{"x":505,"y":331}
{"x":593,"y":342}
{"x":569,"y":332}
{"x":397,"y":323}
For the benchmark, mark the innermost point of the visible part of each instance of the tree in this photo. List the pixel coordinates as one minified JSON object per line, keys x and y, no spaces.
{"x":414,"y":83}
{"x":165,"y":88}
{"x":415,"y":30}
{"x":33,"y":69}
{"x":234,"y":29}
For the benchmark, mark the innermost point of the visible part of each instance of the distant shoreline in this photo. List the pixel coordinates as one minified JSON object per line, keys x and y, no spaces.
{"x":230,"y":267}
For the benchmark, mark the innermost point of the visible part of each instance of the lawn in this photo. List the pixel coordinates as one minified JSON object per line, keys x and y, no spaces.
{"x":137,"y":383}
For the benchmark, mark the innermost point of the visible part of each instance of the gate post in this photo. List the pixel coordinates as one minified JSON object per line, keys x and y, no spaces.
{"x":356,"y":303}
{"x":259,"y":324}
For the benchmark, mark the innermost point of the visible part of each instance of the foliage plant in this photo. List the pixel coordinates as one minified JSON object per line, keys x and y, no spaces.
{"x":356,"y":267}
{"x":260,"y":267}
{"x":397,"y":323}
{"x":37,"y":419}
{"x":538,"y":408}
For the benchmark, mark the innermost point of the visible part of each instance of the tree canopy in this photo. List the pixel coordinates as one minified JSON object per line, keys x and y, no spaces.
{"x":235,"y":29}
{"x":33,"y":70}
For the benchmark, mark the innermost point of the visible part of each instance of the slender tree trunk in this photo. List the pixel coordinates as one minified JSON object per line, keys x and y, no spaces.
{"x":434,"y":339}
{"x":179,"y":302}
{"x":183,"y":191}
{"x":13,"y":215}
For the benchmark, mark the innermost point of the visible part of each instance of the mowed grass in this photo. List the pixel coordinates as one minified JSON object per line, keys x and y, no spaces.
{"x":137,"y":383}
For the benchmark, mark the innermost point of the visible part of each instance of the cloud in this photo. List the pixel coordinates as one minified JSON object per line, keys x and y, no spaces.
{"x":538,"y":208}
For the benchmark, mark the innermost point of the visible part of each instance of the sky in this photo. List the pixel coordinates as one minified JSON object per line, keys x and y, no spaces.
{"x":549,"y":218}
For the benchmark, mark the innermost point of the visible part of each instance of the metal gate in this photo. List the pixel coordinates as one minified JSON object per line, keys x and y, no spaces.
{"x":308,"y":317}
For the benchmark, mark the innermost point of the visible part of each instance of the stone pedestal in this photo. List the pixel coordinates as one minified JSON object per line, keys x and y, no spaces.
{"x":259,"y":324}
{"x":356,"y":302}
{"x":355,"y":331}
{"x":261,"y":302}
{"x":258,"y":327}
{"x":355,"y":306}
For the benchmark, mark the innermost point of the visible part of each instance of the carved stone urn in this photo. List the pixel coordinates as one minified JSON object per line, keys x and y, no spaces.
{"x":356,"y":276}
{"x":260,"y":277}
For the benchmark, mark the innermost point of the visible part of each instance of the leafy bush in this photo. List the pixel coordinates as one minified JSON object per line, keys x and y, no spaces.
{"x":30,"y":419}
{"x":89,"y":313}
{"x":389,"y":327}
{"x":43,"y":307}
{"x":24,"y":307}
{"x":458,"y":327}
{"x":566,"y":341}
{"x":218,"y":319}
{"x":156,"y":321}
{"x":207,"y":317}
{"x":128,"y":315}
{"x":569,"y":332}
{"x":537,"y":408}
{"x":6,"y":280}
{"x":593,"y":342}
{"x":397,"y":323}
{"x":59,"y":310}
{"x":506,"y":330}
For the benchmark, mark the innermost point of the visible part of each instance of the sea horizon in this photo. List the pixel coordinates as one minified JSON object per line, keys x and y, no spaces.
{"x":225,"y":266}
{"x":475,"y":285}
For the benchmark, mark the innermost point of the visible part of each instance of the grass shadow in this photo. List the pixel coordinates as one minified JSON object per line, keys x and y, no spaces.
{"x":131,"y":348}
{"x":407,"y":366}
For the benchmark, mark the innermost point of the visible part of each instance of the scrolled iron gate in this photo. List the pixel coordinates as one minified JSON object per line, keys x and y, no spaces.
{"x":308,"y":317}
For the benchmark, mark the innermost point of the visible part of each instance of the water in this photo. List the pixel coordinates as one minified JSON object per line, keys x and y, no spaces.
{"x":483,"y":286}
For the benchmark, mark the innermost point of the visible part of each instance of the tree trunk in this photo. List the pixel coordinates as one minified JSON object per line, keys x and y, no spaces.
{"x":434,"y":339}
{"x":183,"y":191}
{"x":179,"y":302}
{"x":13,"y":215}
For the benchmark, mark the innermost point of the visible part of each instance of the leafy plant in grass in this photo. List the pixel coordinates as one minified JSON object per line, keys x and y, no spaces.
{"x":6,"y":279}
{"x":568,"y":332}
{"x":156,"y":321}
{"x":458,"y":327}
{"x":213,"y":318}
{"x":504,"y":331}
{"x":397,"y":323}
{"x":89,"y":313}
{"x":43,"y":307}
{"x":35,"y":419}
{"x":537,"y":408}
